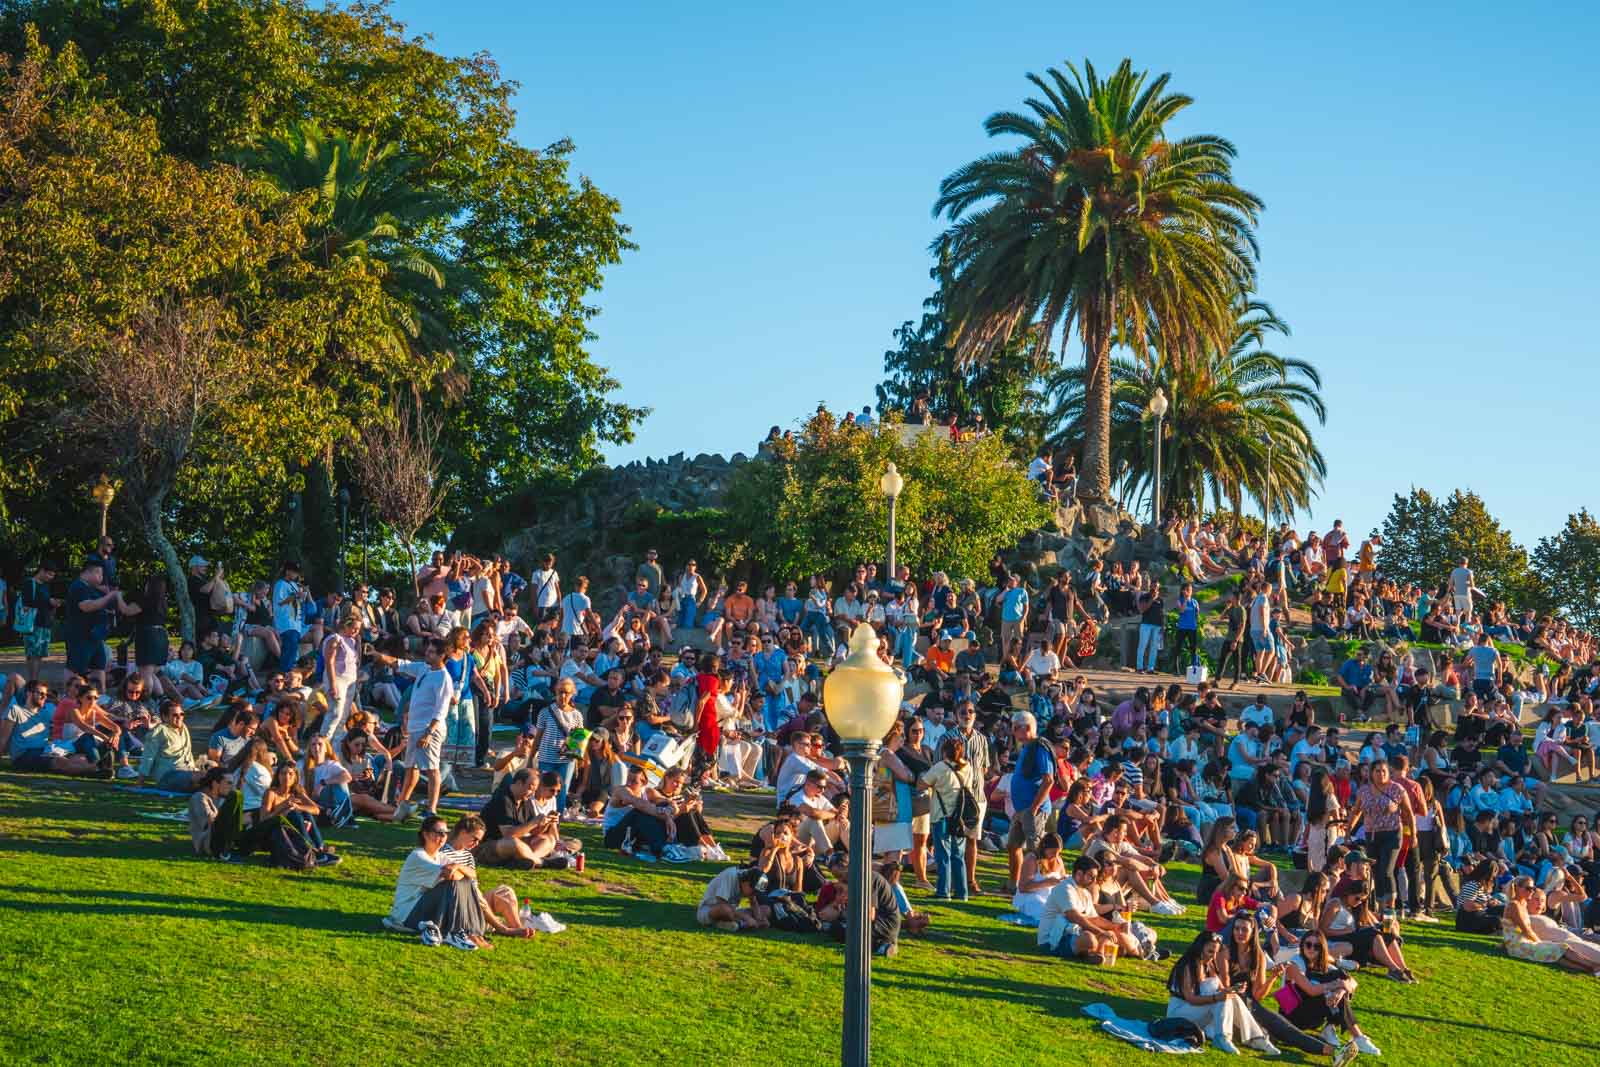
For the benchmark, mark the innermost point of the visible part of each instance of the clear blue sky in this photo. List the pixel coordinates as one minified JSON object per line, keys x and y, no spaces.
{"x":1428,"y":176}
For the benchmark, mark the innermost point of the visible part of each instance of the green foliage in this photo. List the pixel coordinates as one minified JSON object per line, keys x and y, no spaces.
{"x":814,"y":504}
{"x":1005,"y":390}
{"x":1311,"y":676}
{"x":430,"y":187}
{"x":1568,"y":566}
{"x":1220,"y":408}
{"x":1424,"y":537}
{"x":1097,"y":219}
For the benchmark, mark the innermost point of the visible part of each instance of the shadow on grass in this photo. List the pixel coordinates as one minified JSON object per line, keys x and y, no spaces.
{"x":1478,"y":1026}
{"x":103,"y":902}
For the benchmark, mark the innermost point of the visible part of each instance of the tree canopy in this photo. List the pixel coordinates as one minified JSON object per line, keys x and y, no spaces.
{"x":443,"y":259}
{"x":813,"y":504}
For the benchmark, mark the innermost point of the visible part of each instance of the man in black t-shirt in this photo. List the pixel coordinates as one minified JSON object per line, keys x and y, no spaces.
{"x":200,"y":585}
{"x":515,"y":833}
{"x":1233,"y":644}
{"x":606,"y":702}
{"x":884,"y":913}
{"x":1152,"y":621}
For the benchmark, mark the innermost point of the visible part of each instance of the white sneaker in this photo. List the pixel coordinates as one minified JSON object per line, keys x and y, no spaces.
{"x":1330,"y":1036}
{"x":428,"y":933}
{"x":126,"y":773}
{"x":1264,"y":1046}
{"x":1365,"y":1046}
{"x":1167,"y":907}
{"x":1424,"y":917}
{"x":1347,"y":965}
{"x":1221,"y":1043}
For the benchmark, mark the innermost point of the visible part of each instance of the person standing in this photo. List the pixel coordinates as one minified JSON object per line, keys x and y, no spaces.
{"x":1186,"y":649}
{"x":650,"y":572}
{"x":1152,"y":621}
{"x":574,"y":607}
{"x":288,"y":613}
{"x":1013,"y":612}
{"x":341,"y":657}
{"x":1233,"y":650}
{"x":90,"y":600}
{"x":433,"y":696}
{"x":200,"y":585}
{"x":1462,"y":588}
{"x":1031,"y":782}
{"x":545,"y":595}
{"x":36,"y":617}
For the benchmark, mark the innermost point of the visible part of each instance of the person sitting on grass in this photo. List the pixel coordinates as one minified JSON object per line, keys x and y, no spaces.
{"x":635,"y":823}
{"x":435,"y":898}
{"x":168,"y":758}
{"x":204,"y":803}
{"x":1138,"y":873}
{"x":689,"y":828}
{"x":1198,"y":990}
{"x":1070,"y":924}
{"x":517,"y":835}
{"x":1252,"y":977}
{"x":1525,"y":941}
{"x":366,"y":790}
{"x":499,"y":906}
{"x":1316,"y":995}
{"x":720,"y":904}
{"x":286,"y":807}
{"x":25,"y":734}
{"x":1348,"y":917}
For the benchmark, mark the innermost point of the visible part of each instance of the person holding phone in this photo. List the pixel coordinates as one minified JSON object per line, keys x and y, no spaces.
{"x":1252,"y":976}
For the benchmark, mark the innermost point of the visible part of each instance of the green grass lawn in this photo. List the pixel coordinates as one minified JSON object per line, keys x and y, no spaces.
{"x":121,"y":949}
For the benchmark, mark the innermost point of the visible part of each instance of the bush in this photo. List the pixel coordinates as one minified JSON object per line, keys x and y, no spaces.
{"x":1311,"y":676}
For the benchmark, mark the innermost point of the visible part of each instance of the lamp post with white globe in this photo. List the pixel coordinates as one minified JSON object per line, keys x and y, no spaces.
{"x":1158,"y":409}
{"x":890,"y":485}
{"x":862,"y":699}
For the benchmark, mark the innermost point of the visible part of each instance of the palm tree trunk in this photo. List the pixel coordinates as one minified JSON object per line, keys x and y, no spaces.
{"x":1094,"y":481}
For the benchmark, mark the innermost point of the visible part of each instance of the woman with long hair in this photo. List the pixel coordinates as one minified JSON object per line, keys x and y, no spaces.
{"x":1198,"y":990}
{"x":286,"y":807}
{"x":1524,"y":941}
{"x":1325,"y":819}
{"x":434,"y":897}
{"x":1252,"y":978}
{"x":1316,"y":995}
{"x":151,"y":645}
{"x":363,"y":784}
{"x":951,"y":783}
{"x":1348,"y":917}
{"x":918,"y":759}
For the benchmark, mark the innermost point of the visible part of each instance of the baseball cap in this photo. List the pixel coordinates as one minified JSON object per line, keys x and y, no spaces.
{"x":198,"y":561}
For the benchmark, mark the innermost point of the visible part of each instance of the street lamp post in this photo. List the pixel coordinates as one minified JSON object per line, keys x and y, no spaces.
{"x":862,"y":698}
{"x":1158,"y":408}
{"x":103,"y":492}
{"x":890,"y":485}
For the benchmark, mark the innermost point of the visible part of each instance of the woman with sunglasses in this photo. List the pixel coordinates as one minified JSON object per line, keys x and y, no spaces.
{"x":1524,"y":939}
{"x":435,"y":898}
{"x":1198,"y":990}
{"x":1348,"y":917}
{"x":1253,"y":978}
{"x":1316,"y":995}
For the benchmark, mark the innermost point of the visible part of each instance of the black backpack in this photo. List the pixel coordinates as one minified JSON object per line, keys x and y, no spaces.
{"x":791,"y":912}
{"x":964,"y":816}
{"x":1173,"y":1028}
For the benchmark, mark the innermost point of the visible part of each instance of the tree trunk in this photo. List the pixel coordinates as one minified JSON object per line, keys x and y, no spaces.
{"x":1094,"y":477}
{"x":177,"y":578}
{"x":411,"y":557}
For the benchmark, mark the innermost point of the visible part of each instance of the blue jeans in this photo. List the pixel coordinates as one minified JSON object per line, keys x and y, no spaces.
{"x":686,"y":614}
{"x":335,"y":803}
{"x":905,"y":645}
{"x":817,"y":625}
{"x":564,"y":768}
{"x":950,"y":853}
{"x":1149,"y":641}
{"x":290,"y":651}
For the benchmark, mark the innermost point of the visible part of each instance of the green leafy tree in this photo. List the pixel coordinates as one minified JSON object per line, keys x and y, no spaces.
{"x":812,"y":505}
{"x":1222,"y":413}
{"x":1416,"y":539}
{"x":1423,"y":538}
{"x":214,"y":75}
{"x":1099,"y":220}
{"x":1568,"y":567}
{"x":1006,"y":389}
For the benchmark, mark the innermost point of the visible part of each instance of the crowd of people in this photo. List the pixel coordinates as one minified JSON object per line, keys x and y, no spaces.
{"x":1006,"y":746}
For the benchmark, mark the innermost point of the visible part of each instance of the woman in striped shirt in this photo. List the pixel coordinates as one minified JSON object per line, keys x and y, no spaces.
{"x":555,"y":722}
{"x":1476,"y":909}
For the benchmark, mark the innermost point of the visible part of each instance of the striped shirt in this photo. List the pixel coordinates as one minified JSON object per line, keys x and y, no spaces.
{"x":448,"y":855}
{"x":555,"y":725}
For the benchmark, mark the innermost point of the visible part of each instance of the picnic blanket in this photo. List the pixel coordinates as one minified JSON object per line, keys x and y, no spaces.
{"x":150,"y":791}
{"x":1016,"y":918}
{"x":1133,"y":1031}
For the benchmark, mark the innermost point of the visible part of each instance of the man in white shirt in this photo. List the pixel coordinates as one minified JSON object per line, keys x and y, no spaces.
{"x":544,"y":590}
{"x":574,"y":606}
{"x":1041,"y":666}
{"x":820,"y":824}
{"x":1257,"y":714}
{"x":432,"y":697}
{"x":1070,"y":924}
{"x":1461,"y":587}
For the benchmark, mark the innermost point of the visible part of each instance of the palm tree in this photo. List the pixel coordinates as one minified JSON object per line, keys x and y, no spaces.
{"x":368,"y":208}
{"x":1097,"y":219}
{"x":1226,"y":413}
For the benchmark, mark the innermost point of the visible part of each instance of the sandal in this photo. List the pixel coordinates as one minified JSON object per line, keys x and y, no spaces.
{"x":1396,"y":975}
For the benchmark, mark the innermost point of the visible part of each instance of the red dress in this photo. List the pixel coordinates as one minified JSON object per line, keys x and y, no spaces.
{"x":708,"y":733}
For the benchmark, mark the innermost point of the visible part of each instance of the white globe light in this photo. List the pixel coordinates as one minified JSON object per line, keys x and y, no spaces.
{"x":862,"y":696}
{"x":1158,"y":404}
{"x":891,"y":483}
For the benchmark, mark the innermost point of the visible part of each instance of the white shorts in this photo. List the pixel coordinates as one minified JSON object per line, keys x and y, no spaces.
{"x":425,"y":758}
{"x":702,"y":915}
{"x":1463,"y":602}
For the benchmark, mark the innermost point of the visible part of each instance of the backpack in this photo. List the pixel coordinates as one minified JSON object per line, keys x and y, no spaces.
{"x":289,"y":847}
{"x":792,"y":913}
{"x":964,"y":816}
{"x":1175,"y":1029}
